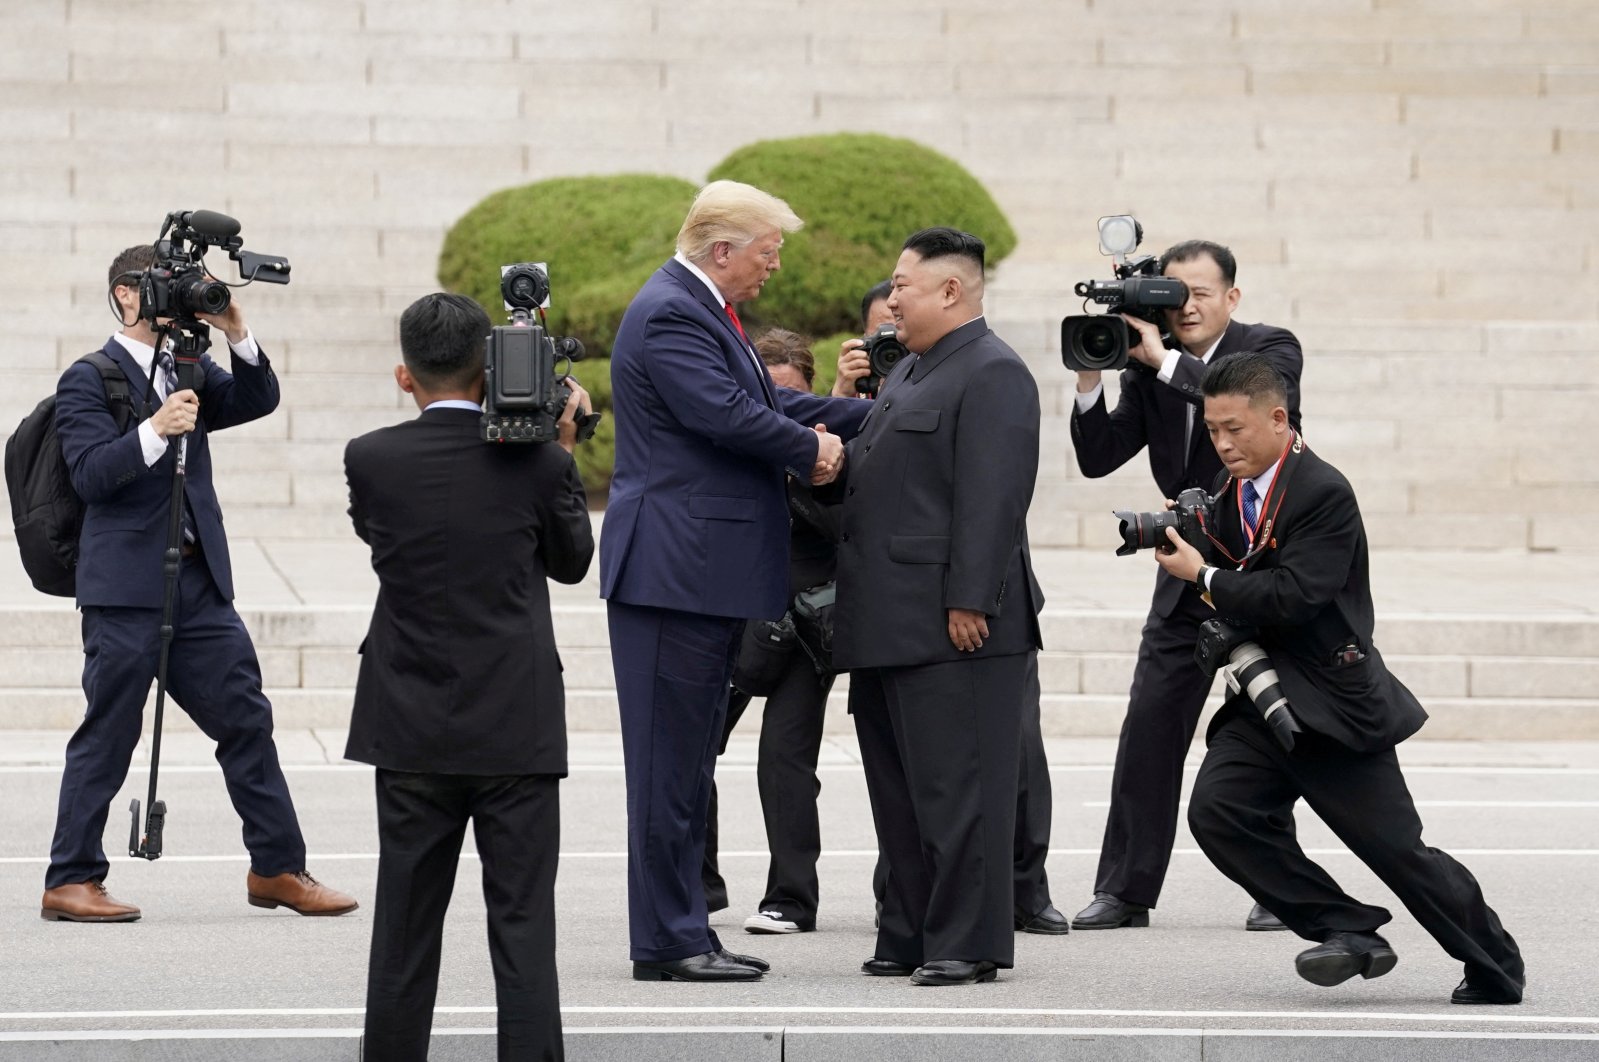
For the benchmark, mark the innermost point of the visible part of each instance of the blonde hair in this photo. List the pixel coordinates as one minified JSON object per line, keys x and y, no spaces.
{"x":731,"y":212}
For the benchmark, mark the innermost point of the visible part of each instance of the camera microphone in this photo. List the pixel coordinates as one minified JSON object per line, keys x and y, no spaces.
{"x":218,"y":228}
{"x":568,"y":347}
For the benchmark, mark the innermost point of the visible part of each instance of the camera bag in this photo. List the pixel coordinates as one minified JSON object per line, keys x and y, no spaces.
{"x":763,"y":655}
{"x":813,"y":619}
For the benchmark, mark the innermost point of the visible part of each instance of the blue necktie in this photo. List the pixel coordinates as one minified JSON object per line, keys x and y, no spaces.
{"x":1251,"y":510}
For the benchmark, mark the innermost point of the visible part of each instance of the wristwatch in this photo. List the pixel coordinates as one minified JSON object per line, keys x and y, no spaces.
{"x":1199,"y":579}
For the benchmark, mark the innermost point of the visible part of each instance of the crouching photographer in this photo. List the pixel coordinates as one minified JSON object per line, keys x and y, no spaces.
{"x":1289,"y":529}
{"x":459,"y":703}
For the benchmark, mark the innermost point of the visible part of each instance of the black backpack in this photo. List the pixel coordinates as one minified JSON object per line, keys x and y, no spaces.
{"x":46,"y":512}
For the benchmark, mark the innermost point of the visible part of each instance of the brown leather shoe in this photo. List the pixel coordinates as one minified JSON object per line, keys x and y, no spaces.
{"x":86,"y":901}
{"x":300,"y":893}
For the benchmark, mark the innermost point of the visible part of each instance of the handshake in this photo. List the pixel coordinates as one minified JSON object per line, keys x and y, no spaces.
{"x":829,"y":457}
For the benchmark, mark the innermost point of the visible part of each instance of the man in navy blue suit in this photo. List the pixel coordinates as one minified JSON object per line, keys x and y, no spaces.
{"x":125,"y":480}
{"x":695,"y":542}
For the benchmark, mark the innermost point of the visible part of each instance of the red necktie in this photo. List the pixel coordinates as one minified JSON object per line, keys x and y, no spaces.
{"x":733,"y":315}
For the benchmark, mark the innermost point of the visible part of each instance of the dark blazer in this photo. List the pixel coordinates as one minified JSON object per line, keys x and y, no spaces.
{"x":127,"y":504}
{"x":1310,"y":594}
{"x":459,"y":672}
{"x":1153,"y":414}
{"x":935,"y":507}
{"x":697,"y":519}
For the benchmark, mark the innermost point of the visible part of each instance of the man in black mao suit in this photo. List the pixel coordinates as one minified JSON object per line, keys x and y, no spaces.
{"x":936,"y":616}
{"x":459,"y":703}
{"x":1159,"y":410}
{"x":1296,"y":572}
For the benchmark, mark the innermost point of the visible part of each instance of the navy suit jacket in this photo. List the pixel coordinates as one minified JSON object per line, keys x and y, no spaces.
{"x":698,"y":518}
{"x":127,"y":504}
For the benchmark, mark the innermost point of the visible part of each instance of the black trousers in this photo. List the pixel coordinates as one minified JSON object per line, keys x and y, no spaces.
{"x":940,"y":744}
{"x":1163,"y":709}
{"x":421,"y":821}
{"x":1239,"y":814}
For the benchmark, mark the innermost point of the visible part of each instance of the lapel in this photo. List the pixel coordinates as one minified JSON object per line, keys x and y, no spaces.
{"x":696,"y":287}
{"x":938,"y":353}
{"x":138,"y":379}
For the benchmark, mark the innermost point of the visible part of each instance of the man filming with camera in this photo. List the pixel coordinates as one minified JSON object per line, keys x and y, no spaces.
{"x":1158,"y":410}
{"x":1292,"y":576}
{"x":126,"y":480}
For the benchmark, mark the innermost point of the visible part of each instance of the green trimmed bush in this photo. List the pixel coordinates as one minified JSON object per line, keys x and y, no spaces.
{"x":860,"y":195}
{"x":602,"y":237}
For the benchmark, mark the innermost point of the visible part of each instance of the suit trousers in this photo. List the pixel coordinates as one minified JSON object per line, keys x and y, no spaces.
{"x":1167,"y":696}
{"x":1240,"y":815}
{"x":422,"y":819}
{"x":213,"y":675}
{"x":672,"y":673}
{"x":939,"y":743}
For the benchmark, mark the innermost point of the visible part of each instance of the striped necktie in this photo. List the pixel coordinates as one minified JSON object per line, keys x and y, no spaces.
{"x":1251,"y":508}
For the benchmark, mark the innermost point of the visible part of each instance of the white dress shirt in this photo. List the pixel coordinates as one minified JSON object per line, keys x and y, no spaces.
{"x":143,"y":354}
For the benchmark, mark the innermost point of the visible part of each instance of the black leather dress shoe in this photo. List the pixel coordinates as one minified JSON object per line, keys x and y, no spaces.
{"x":745,"y":960}
{"x":1342,"y":956}
{"x":886,"y":968}
{"x":1107,"y":912}
{"x":1049,"y":922}
{"x":710,"y":966}
{"x":1473,"y":995}
{"x":941,"y":972}
{"x":1261,"y":920}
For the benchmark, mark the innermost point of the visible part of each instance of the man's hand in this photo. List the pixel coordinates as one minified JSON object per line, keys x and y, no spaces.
{"x":1178,"y":557}
{"x":231,"y":321}
{"x":1149,"y":350}
{"x":577,"y":405}
{"x":967,"y":629}
{"x":829,"y":457}
{"x":852,"y":365}
{"x":177,"y":414}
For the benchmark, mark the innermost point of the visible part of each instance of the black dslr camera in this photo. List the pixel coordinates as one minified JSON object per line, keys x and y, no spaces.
{"x":883,"y":351}
{"x":1190,"y":516}
{"x":178,"y":287}
{"x":524,"y":392}
{"x":1099,"y":342}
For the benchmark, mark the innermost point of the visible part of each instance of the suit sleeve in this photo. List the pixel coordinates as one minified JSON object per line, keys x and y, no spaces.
{"x":1106,"y":441}
{"x":996,"y":464}
{"x":100,"y":460}
{"x":357,"y":512}
{"x":842,"y":416}
{"x":1279,"y":345}
{"x":566,"y":536}
{"x":248,"y":393}
{"x":689,"y":371}
{"x":1312,"y":566}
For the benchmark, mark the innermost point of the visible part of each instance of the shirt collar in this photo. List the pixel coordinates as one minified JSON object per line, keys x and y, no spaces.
{"x":1211,"y":352}
{"x":1263,"y":481}
{"x":454,"y":403}
{"x":716,"y":293}
{"x":142,"y":353}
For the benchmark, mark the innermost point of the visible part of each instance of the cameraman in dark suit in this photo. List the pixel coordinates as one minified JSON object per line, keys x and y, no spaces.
{"x":936,"y":616}
{"x":459,"y":703}
{"x":1289,"y":526}
{"x":1159,"y":409}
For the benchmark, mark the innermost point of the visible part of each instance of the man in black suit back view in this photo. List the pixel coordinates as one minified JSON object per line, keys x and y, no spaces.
{"x":459,"y":703}
{"x":1297,"y":576}
{"x":1159,"y":409}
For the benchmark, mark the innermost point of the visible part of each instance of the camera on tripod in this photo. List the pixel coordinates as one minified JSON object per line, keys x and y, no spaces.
{"x":1099,"y":342}
{"x":178,"y":287}
{"x":883,"y":351}
{"x":526,"y":368}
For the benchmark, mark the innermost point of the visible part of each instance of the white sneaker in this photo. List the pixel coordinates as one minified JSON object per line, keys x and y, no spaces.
{"x":770,"y":922}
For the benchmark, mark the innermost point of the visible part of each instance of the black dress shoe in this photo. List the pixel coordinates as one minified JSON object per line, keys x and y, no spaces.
{"x":710,"y":966}
{"x":745,"y":960}
{"x":1472,"y":995}
{"x":1342,"y":956}
{"x":1049,"y":922}
{"x":954,"y":972}
{"x":886,"y":968}
{"x":1107,"y":912}
{"x":1261,"y":920}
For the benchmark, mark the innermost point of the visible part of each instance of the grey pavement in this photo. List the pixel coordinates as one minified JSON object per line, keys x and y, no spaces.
{"x":205,"y":976}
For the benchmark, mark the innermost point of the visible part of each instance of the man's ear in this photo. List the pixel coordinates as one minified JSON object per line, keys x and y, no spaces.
{"x":1279,"y":418}
{"x":402,"y":376}
{"x":1233,"y":295}
{"x":952,"y":291}
{"x":127,"y":306}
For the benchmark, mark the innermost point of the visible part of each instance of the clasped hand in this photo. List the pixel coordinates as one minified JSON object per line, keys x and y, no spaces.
{"x":829,"y":457}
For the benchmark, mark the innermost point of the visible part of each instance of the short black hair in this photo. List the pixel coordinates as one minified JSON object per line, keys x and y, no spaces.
{"x":126,"y":267}
{"x":1189,"y":250}
{"x":442,"y":339}
{"x":875,"y":294}
{"x":1249,"y":374}
{"x":944,"y":242}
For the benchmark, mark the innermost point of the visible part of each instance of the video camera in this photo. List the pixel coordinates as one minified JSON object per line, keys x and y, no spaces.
{"x":178,"y":285}
{"x":883,"y":351}
{"x":524,"y":393}
{"x":1099,"y":342}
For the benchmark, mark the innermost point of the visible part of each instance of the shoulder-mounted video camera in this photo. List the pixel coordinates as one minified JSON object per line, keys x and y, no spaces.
{"x":1092,"y":342}
{"x":526,"y":368}
{"x":883,"y":351}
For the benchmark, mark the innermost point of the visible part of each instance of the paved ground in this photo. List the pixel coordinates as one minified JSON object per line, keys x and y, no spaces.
{"x":1525,"y":818}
